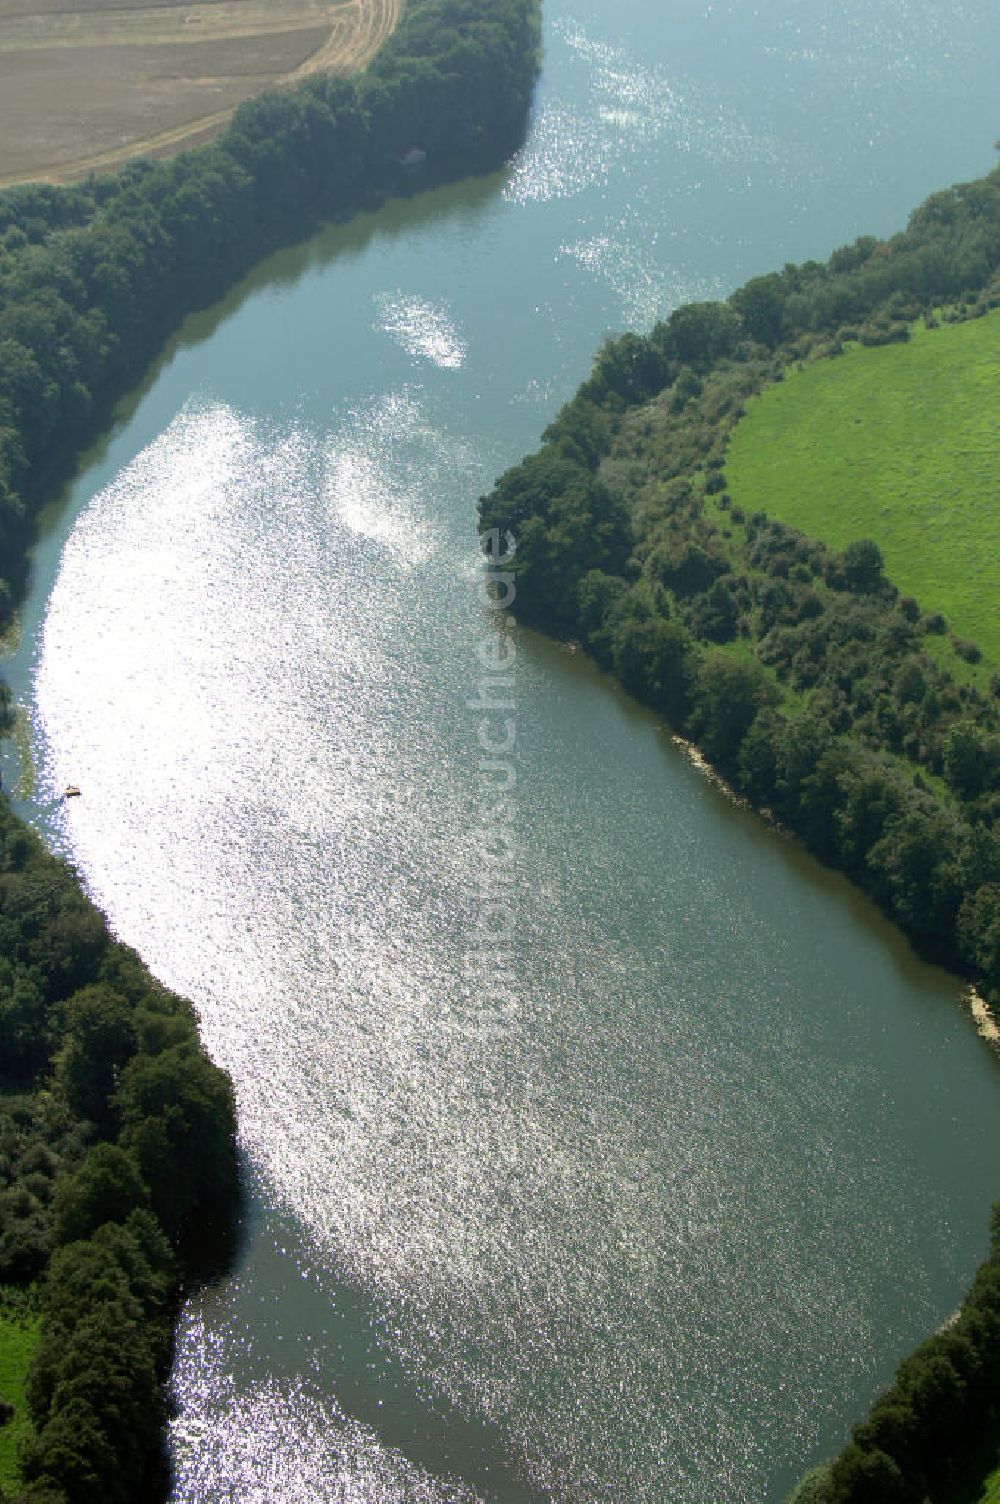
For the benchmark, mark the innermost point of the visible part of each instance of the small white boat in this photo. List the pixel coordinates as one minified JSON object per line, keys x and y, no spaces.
{"x":72,"y":792}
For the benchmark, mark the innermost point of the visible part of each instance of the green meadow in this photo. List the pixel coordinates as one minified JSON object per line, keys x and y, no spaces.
{"x":18,"y":1340}
{"x":898,"y":443}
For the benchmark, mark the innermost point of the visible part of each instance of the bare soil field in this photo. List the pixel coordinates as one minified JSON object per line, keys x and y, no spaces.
{"x":85,"y":84}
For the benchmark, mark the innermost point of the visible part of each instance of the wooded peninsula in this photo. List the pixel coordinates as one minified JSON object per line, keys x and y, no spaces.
{"x":841,"y":706}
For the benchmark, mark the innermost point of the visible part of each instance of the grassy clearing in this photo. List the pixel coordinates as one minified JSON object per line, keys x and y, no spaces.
{"x":18,"y":1339}
{"x":896,"y":443}
{"x":991,"y":1489}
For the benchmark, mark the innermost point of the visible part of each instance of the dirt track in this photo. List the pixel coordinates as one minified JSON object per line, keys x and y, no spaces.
{"x":82,"y":89}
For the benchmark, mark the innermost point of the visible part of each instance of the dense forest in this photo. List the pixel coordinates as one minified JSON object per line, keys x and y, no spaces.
{"x":118,"y":1178}
{"x":804,"y":675}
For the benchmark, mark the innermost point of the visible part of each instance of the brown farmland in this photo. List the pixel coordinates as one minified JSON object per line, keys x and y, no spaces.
{"x":85,"y":84}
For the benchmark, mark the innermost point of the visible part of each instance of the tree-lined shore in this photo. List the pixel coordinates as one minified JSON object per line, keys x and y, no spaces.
{"x":828,"y":698}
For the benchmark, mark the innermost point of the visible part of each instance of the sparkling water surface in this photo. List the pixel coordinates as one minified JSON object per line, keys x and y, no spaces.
{"x":642,"y":1197}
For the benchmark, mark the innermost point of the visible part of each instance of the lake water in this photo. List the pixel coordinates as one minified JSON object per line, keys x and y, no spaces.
{"x":624,"y":1168}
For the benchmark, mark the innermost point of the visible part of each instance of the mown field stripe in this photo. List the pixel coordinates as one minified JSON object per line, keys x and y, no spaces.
{"x":18,"y":1340}
{"x":347,"y":50}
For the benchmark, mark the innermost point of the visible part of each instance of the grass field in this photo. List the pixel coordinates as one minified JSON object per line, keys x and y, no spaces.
{"x":18,"y":1339}
{"x":991,"y":1489}
{"x":896,"y":443}
{"x":85,"y":85}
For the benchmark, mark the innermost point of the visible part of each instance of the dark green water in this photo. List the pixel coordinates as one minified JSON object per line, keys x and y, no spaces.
{"x":641,"y":1198}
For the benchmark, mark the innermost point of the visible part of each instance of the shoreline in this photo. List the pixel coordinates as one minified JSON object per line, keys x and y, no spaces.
{"x":983,"y":1016}
{"x":698,"y":760}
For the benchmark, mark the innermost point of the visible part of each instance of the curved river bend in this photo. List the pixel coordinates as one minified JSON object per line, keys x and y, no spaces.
{"x":642,"y":1200}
